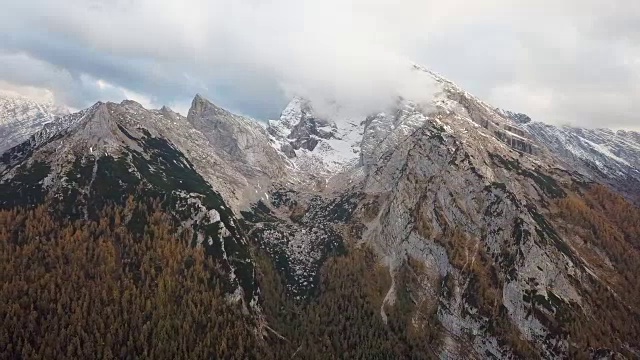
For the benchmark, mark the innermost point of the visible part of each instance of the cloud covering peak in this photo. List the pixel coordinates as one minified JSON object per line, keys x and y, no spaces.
{"x":575,"y":62}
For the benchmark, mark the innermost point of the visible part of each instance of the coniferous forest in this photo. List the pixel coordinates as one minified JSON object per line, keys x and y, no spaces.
{"x":95,"y":289}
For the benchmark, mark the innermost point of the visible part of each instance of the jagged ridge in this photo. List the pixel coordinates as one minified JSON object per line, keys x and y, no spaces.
{"x":464,"y":190}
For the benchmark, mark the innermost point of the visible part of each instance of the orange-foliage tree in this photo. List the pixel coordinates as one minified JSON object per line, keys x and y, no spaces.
{"x":608,"y":227}
{"x":91,"y":289}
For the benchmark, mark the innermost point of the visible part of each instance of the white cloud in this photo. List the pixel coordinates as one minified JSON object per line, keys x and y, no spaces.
{"x":126,"y":93}
{"x":571,"y":61}
{"x":38,"y":94}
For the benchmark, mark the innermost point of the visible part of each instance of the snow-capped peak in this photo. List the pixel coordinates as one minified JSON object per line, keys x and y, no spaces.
{"x":20,"y":117}
{"x":294,"y":112}
{"x":316,"y":144}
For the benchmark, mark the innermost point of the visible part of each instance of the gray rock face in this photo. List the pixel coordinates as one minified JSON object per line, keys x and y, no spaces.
{"x":517,"y":117}
{"x":433,"y":181}
{"x":233,"y":153}
{"x":235,"y":138}
{"x":603,"y":155}
{"x":308,"y":132}
{"x":630,"y":135}
{"x":288,"y":150}
{"x":21,"y":117}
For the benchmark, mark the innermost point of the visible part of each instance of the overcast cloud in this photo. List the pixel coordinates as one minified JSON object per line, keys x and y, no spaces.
{"x":577,"y":62}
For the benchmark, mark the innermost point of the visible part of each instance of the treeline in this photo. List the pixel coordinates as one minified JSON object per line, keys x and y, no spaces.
{"x":92,"y":290}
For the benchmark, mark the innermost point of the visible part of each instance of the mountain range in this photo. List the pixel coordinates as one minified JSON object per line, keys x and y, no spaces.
{"x":443,"y":228}
{"x":20,"y":117}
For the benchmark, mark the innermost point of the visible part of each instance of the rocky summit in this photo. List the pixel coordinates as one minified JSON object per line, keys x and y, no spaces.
{"x":438,"y":228}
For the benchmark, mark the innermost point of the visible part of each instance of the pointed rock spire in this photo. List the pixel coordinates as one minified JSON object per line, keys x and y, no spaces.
{"x":203,"y":108}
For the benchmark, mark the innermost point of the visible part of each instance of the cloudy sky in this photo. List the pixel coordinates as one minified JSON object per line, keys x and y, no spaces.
{"x":570,"y":61}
